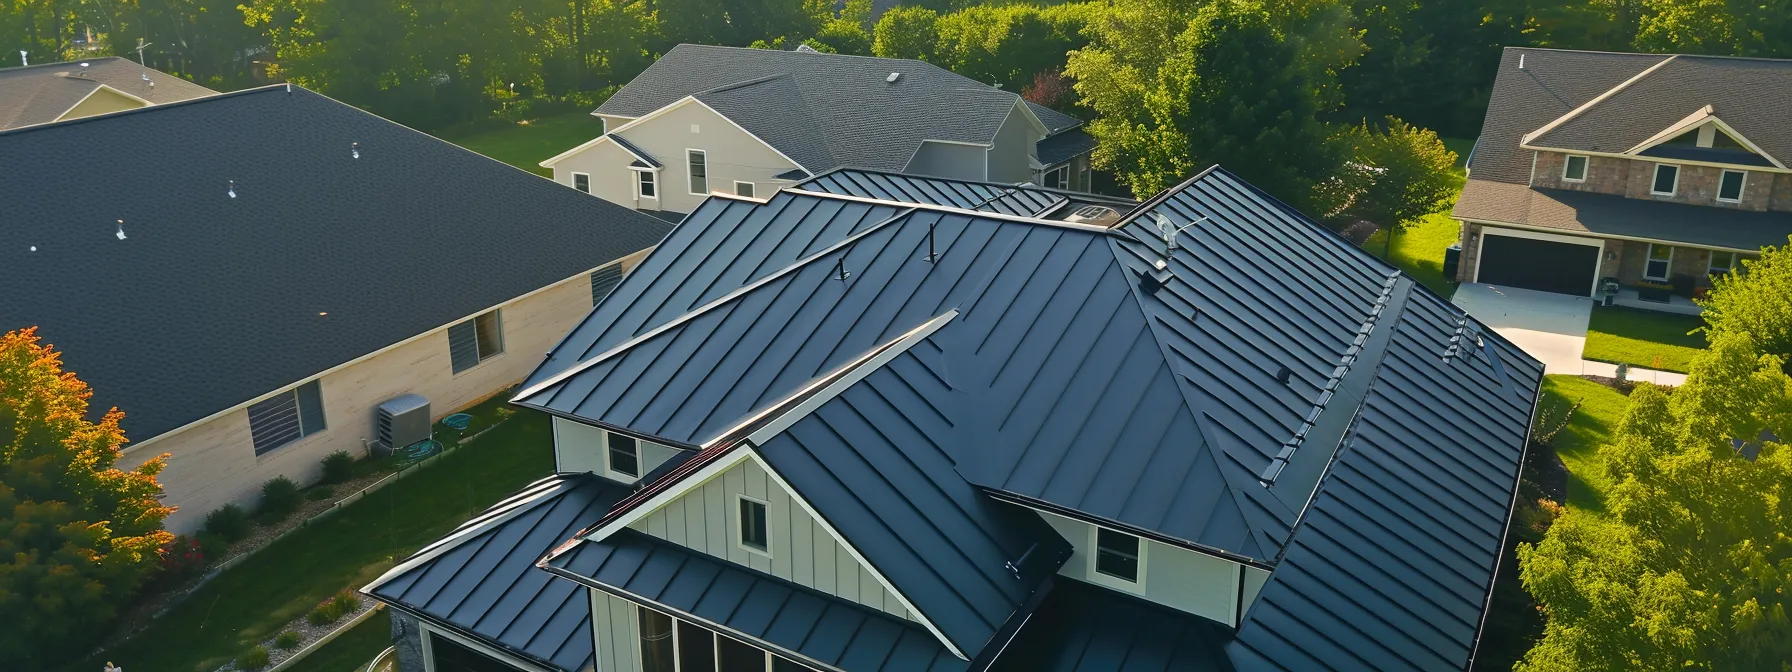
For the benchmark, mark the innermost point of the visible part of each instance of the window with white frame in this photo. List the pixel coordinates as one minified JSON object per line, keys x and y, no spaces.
{"x":698,"y":162}
{"x":1660,"y":259}
{"x":475,"y":340}
{"x":582,"y":182}
{"x":1058,"y":178}
{"x":743,"y":189}
{"x":673,"y":645}
{"x":286,"y":417}
{"x":1117,"y":555}
{"x":624,"y":455}
{"x":1721,"y":263}
{"x":1729,"y":186}
{"x":644,"y":184}
{"x":1574,"y":169}
{"x":1667,"y":179}
{"x":754,"y":533}
{"x":447,"y":655}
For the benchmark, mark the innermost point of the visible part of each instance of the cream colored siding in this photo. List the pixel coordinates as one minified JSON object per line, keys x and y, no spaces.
{"x":1016,"y":144}
{"x":102,"y":101}
{"x":706,"y":519}
{"x":214,"y":463}
{"x":615,"y":632}
{"x":1178,"y":578}
{"x":581,"y":447}
{"x":945,"y":159}
{"x":1253,"y":584}
{"x":732,"y":154}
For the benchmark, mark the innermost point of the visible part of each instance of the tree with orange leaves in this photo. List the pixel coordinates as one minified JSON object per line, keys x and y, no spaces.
{"x":77,"y":534}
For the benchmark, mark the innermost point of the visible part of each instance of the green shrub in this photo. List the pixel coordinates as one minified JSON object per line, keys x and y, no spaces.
{"x":338,"y":467}
{"x":320,"y":493}
{"x":286,"y":640}
{"x":253,"y":659}
{"x":339,"y":605}
{"x":229,"y":522}
{"x":346,"y":602}
{"x":213,"y":546}
{"x":279,"y":498}
{"x":324,"y":614}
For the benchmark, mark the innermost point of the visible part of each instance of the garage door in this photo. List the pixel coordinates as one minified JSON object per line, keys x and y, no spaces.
{"x":1564,"y":268}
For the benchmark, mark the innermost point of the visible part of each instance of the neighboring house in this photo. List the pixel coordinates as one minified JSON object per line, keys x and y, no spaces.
{"x":256,"y":271}
{"x":748,"y":122}
{"x":1643,"y":168}
{"x":828,"y":429}
{"x":40,"y":94}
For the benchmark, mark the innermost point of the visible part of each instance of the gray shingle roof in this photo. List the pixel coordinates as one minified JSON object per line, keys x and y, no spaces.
{"x":1603,"y":214}
{"x":212,"y":300}
{"x":857,"y":117}
{"x":1552,"y":83}
{"x":40,"y":93}
{"x":1065,"y":146}
{"x":1753,"y":96}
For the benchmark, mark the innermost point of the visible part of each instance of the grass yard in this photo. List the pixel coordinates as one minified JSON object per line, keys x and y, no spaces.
{"x":352,"y":650}
{"x":1578,"y":444}
{"x":1419,"y":250}
{"x":1461,"y":146}
{"x":251,"y":601}
{"x":1643,"y":338}
{"x":526,"y":145}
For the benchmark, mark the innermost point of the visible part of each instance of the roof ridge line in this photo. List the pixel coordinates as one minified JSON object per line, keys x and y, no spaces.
{"x":582,"y":365}
{"x":742,"y":83}
{"x":934,"y":207}
{"x":1527,"y":138}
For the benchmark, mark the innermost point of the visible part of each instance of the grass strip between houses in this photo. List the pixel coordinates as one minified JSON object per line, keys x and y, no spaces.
{"x":1645,"y":338}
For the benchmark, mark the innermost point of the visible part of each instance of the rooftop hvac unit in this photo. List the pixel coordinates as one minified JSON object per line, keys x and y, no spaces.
{"x":401,"y":421}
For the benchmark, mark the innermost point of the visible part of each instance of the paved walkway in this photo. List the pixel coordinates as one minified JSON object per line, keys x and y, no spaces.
{"x":1551,"y":327}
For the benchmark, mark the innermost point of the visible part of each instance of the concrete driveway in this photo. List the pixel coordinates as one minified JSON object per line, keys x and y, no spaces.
{"x":1551,"y":327}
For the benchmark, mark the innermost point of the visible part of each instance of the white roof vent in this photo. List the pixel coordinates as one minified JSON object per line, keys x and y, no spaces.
{"x":804,"y":48}
{"x":893,"y":77}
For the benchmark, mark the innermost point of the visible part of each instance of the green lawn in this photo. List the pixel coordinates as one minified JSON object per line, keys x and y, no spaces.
{"x":251,"y":601}
{"x":1643,"y":338}
{"x":527,"y":145}
{"x":1578,"y":444}
{"x":1419,"y":250}
{"x":1461,"y":146}
{"x":351,"y":651}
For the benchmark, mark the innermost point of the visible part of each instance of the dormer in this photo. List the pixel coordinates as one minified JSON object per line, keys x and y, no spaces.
{"x":618,"y":456}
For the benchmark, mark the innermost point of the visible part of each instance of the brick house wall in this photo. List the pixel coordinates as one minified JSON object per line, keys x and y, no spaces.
{"x":1781,"y":197}
{"x":1470,"y":240}
{"x":1605,"y":175}
{"x":1634,"y":178}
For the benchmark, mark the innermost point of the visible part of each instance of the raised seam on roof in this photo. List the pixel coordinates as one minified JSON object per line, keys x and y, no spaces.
{"x":953,"y":210}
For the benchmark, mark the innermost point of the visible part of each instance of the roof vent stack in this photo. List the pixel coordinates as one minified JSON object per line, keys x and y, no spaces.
{"x":933,"y":254}
{"x":84,"y":65}
{"x":1521,"y":61}
{"x":24,"y":58}
{"x":232,"y":190}
{"x":840,"y":272}
{"x":892,"y":78}
{"x":1015,"y":564}
{"x":354,"y":149}
{"x":1284,"y":375}
{"x":120,"y":233}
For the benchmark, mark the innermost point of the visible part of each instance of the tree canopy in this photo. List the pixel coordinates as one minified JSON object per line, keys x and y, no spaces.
{"x":1756,"y":301}
{"x":78,"y":535}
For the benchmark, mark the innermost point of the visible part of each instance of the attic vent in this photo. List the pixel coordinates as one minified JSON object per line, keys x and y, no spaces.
{"x":893,"y":77}
{"x":120,"y":233}
{"x":1284,"y":374}
{"x":806,"y":49}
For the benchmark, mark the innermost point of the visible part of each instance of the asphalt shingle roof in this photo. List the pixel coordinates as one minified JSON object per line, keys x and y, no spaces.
{"x":1751,"y":95}
{"x":212,"y":300}
{"x":39,"y":94}
{"x":1604,"y":214}
{"x":1552,"y":83}
{"x":1065,"y":146}
{"x":833,"y":110}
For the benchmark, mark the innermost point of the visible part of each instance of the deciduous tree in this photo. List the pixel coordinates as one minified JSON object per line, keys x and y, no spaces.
{"x":1756,"y":301}
{"x":77,"y":535}
{"x":1396,"y":173}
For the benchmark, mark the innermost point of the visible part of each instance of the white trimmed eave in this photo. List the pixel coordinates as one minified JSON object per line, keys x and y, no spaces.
{"x":1601,"y":236}
{"x":1694,"y":120}
{"x":1653,"y":159}
{"x":499,"y":514}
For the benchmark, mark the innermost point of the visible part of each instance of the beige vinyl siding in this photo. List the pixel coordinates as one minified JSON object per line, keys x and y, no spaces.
{"x":1177,"y":578}
{"x":103,"y":101}
{"x":579,"y":447}
{"x":213,"y":461}
{"x":945,"y":159}
{"x":801,"y":551}
{"x":732,"y":155}
{"x":615,"y":632}
{"x":1015,"y":146}
{"x":611,"y":178}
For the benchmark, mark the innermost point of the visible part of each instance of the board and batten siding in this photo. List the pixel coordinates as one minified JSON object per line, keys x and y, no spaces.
{"x":579,"y":447}
{"x":705,"y":519}
{"x":1177,"y":578}
{"x":615,"y":632}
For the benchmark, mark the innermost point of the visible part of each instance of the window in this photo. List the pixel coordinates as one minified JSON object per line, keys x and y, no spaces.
{"x":286,"y":417}
{"x":696,"y":649}
{"x":1721,"y":262}
{"x":644,"y":185}
{"x":452,"y":656}
{"x":733,"y":655}
{"x":475,"y":341}
{"x":656,"y":642}
{"x":1574,"y":169}
{"x":699,"y":166}
{"x":582,"y":182}
{"x":1667,"y":177}
{"x":743,"y":189}
{"x":604,"y":281}
{"x":753,"y":535}
{"x":1058,"y":178}
{"x":1117,"y":554}
{"x":1729,"y":187}
{"x":1661,"y":257}
{"x":625,"y":457}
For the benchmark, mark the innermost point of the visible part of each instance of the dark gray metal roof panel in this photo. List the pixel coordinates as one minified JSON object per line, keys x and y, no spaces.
{"x":1392,"y":565}
{"x":224,"y":294}
{"x":488,"y":586}
{"x":1082,"y":628}
{"x":984,"y":196}
{"x":745,"y":602}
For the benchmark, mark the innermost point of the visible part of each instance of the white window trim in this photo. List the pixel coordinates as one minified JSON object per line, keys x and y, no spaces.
{"x":1655,"y":176}
{"x":575,"y":182}
{"x":737,"y":184}
{"x":1108,"y":580}
{"x":1586,"y":166}
{"x":1649,"y":257}
{"x":1711,"y":255}
{"x":740,"y":534}
{"x":707,"y":178}
{"x":610,"y":470}
{"x":655,"y":178}
{"x":1740,"y":191}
